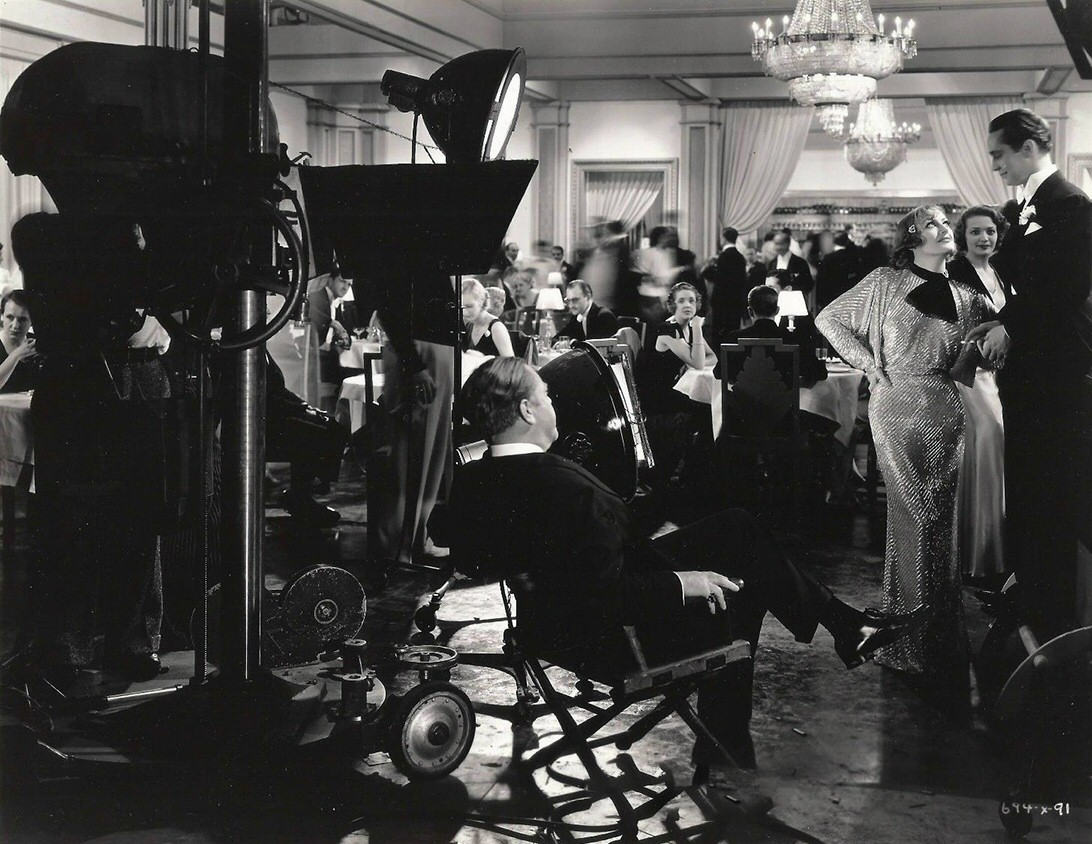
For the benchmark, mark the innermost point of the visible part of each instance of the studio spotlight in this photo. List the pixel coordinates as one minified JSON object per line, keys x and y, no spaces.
{"x":469,"y":105}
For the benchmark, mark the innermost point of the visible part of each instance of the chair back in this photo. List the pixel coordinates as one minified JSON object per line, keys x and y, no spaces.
{"x":519,"y":343}
{"x":760,"y":383}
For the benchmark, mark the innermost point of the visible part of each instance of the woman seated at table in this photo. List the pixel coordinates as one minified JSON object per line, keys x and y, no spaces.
{"x":18,"y":364}
{"x":672,"y":418}
{"x":484,"y":332}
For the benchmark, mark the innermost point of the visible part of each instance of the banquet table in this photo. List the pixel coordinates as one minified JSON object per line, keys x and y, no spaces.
{"x":835,"y":398}
{"x":359,"y":390}
{"x":16,"y":439}
{"x":16,"y":455}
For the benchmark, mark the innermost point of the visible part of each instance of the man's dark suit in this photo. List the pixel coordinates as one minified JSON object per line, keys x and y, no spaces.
{"x":1047,"y":398}
{"x":811,"y":368}
{"x":320,"y":314}
{"x":582,"y":570}
{"x":729,"y":298}
{"x":598,"y":323}
{"x":840,"y":271}
{"x":799,"y":273}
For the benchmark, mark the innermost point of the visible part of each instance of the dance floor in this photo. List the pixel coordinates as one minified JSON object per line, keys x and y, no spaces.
{"x":847,"y":756}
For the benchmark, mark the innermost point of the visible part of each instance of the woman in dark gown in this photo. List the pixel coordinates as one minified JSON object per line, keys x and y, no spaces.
{"x":671,"y":417}
{"x":484,"y":332}
{"x":18,"y":364}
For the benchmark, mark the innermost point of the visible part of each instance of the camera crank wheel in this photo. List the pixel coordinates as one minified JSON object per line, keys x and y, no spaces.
{"x":431,"y":731}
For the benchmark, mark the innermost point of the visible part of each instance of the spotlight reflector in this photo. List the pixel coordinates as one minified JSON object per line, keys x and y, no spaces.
{"x":469,"y":105}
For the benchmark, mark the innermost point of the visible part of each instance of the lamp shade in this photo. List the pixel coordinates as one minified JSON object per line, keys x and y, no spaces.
{"x":790,"y":303}
{"x":549,"y":299}
{"x":555,"y":279}
{"x":469,"y":105}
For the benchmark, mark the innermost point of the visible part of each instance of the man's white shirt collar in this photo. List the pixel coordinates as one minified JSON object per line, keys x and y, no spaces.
{"x":730,"y":246}
{"x":783,"y":261}
{"x":1034,"y":181}
{"x":511,"y":449}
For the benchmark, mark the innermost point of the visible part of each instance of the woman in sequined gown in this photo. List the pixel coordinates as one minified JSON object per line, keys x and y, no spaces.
{"x":903,"y":325}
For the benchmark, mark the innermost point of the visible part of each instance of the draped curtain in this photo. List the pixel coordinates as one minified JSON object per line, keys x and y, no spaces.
{"x":762,"y":145}
{"x":622,"y":195}
{"x":961,"y":127}
{"x":19,"y":195}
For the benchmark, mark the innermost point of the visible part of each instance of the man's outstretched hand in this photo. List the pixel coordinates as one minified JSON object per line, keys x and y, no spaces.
{"x":993,"y":340}
{"x":708,"y":586}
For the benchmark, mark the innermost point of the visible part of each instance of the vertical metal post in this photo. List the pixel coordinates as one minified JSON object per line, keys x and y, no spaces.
{"x":166,"y":23}
{"x":246,"y":133}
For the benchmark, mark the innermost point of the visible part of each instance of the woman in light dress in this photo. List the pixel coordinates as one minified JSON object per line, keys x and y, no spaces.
{"x":982,"y":486}
{"x":904,"y":326}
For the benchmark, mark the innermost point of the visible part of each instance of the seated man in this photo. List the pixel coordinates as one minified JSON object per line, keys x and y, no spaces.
{"x":584,"y":570}
{"x":331,"y":336}
{"x":589,"y":321}
{"x":762,"y":308}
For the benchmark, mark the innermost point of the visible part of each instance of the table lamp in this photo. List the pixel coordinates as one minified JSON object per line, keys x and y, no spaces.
{"x":555,"y":279}
{"x":549,"y":300}
{"x":791,"y":304}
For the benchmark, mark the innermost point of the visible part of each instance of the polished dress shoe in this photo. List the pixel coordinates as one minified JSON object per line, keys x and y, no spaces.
{"x":136,"y":667}
{"x":878,"y":630}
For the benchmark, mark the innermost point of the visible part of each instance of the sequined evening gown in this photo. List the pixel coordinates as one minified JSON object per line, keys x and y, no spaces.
{"x":903,"y":322}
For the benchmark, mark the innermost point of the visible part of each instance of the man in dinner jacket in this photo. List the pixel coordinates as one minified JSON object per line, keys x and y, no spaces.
{"x":1043,"y":338}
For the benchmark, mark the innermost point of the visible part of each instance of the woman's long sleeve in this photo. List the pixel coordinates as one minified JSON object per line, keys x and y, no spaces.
{"x":848,"y":323}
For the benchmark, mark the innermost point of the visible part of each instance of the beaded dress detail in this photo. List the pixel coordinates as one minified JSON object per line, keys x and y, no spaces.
{"x":917,"y":425}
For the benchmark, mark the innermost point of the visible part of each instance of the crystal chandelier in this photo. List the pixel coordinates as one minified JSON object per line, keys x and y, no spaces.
{"x":831,"y":53}
{"x":876,"y":144}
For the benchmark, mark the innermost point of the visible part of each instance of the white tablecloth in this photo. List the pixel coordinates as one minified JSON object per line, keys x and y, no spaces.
{"x":16,"y":438}
{"x":835,"y":398}
{"x":359,"y":353}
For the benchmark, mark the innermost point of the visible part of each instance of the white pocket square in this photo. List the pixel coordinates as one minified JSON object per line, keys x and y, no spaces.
{"x":1032,"y":228}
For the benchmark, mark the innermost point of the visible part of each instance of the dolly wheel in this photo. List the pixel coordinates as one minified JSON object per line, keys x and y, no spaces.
{"x":1017,"y":824}
{"x":431,"y":731}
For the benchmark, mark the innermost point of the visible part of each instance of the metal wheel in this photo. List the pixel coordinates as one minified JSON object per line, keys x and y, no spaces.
{"x":431,"y":731}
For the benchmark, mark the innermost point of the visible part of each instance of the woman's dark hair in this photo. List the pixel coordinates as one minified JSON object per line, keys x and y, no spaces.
{"x":908,"y":234}
{"x":1021,"y":125}
{"x":17,"y":297}
{"x":682,"y":285}
{"x":979,"y":211}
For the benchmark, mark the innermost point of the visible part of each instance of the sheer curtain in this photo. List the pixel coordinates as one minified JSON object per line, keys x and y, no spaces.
{"x":622,"y":195}
{"x":961,"y":127}
{"x":762,"y":145}
{"x":19,"y":195}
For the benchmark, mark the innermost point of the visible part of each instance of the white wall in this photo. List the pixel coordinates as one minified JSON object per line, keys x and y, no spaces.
{"x":923,"y":172}
{"x":624,"y":130}
{"x":1079,"y":128}
{"x":519,"y":149}
{"x":291,"y":114}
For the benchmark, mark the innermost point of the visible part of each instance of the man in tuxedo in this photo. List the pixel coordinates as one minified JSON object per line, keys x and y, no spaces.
{"x":797,"y":268}
{"x":589,"y":321}
{"x":839,"y":271}
{"x":563,"y":266}
{"x":584,"y":571}
{"x":1043,"y":337}
{"x":762,"y":308}
{"x":330,"y":335}
{"x":728,"y":300}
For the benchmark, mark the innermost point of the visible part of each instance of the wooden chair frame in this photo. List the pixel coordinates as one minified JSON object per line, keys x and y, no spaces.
{"x":673,"y":682}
